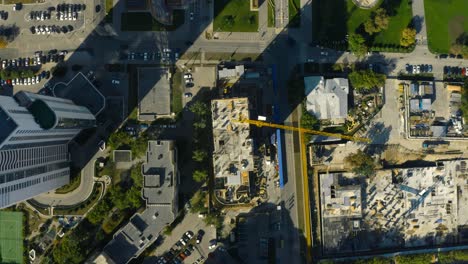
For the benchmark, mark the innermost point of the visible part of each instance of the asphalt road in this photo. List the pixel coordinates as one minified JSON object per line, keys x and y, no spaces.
{"x":276,"y":51}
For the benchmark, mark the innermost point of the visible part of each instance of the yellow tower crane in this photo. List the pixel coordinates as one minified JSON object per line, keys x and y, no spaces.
{"x":305,"y":178}
{"x":259,"y":123}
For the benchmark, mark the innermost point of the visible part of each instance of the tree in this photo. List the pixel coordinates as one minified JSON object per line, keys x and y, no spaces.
{"x":361,"y":163}
{"x":369,"y":27}
{"x":408,"y":37}
{"x":99,"y":212}
{"x":118,"y":197}
{"x":456,"y":49}
{"x":118,"y":139}
{"x":139,"y":146}
{"x":200,"y":109}
{"x":198,"y":202}
{"x":381,"y":19}
{"x":365,"y":80}
{"x":377,"y":22}
{"x":464,"y":100}
{"x":199,"y":155}
{"x":133,"y":197}
{"x":200,"y":175}
{"x":357,"y":45}
{"x":68,"y":251}
{"x":136,"y":176}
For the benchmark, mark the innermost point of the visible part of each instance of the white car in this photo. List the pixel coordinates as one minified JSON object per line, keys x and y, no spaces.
{"x":188,"y":80}
{"x":187,"y":76}
{"x":191,"y":15}
{"x":166,"y":50}
{"x":115,"y":82}
{"x":212,"y":244}
{"x":102,"y":145}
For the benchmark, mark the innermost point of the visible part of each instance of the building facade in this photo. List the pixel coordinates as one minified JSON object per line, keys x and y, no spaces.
{"x":34,"y":135}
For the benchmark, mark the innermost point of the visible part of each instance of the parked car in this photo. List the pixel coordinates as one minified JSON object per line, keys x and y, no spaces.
{"x":200,"y":236}
{"x":189,"y":234}
{"x":187,"y":76}
{"x":188,"y":95}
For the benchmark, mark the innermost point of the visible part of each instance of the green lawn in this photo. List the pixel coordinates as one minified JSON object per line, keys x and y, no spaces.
{"x":445,"y":22}
{"x":11,"y":237}
{"x":333,"y":19}
{"x":143,"y":21}
{"x":234,"y":16}
{"x":176,"y":96}
{"x":271,"y":13}
{"x":294,"y":13}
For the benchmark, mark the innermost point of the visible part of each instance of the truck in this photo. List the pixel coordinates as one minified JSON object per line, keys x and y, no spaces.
{"x":433,"y":144}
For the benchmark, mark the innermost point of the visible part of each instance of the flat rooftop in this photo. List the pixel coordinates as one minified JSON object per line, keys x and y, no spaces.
{"x":159,"y":173}
{"x":233,"y":146}
{"x":154,"y":93}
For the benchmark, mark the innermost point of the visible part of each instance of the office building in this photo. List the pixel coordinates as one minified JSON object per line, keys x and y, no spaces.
{"x":34,"y":136}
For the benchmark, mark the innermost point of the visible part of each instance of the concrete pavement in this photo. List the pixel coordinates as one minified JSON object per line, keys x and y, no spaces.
{"x":76,"y":196}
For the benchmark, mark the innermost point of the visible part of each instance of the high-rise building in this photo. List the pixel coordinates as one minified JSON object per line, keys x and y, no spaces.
{"x":34,"y":134}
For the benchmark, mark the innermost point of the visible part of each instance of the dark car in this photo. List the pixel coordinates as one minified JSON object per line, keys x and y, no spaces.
{"x":189,"y":85}
{"x":452,"y":56}
{"x":98,"y":8}
{"x":191,"y":248}
{"x":443,"y":56}
{"x":53,"y":51}
{"x":459,"y":56}
{"x":187,"y":252}
{"x":200,"y":236}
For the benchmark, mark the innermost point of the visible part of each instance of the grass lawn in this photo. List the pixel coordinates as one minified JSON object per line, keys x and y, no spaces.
{"x":445,"y":22}
{"x":176,"y":96}
{"x":294,"y":13}
{"x":271,"y":13}
{"x":11,"y":237}
{"x":234,"y":16}
{"x":143,"y":21}
{"x":333,"y":19}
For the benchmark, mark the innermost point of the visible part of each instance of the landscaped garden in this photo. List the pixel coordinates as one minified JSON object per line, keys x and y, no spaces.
{"x":334,"y":20}
{"x":234,"y":16}
{"x":143,"y":21}
{"x":446,"y":23}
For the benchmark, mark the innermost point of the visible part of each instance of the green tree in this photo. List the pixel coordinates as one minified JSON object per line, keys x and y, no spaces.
{"x":136,"y":176}
{"x":99,"y":212}
{"x":198,"y":202}
{"x":381,"y":19}
{"x":134,"y":197}
{"x":200,"y":175}
{"x":139,"y":146}
{"x":361,"y":163}
{"x":68,"y":251}
{"x":119,"y":139}
{"x":377,"y":22}
{"x":199,"y":155}
{"x":464,"y":100}
{"x":200,"y":109}
{"x":365,"y":80}
{"x":357,"y":45}
{"x":118,"y":197}
{"x":408,"y":37}
{"x":369,"y":27}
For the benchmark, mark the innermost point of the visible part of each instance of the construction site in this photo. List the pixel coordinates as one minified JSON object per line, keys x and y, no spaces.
{"x":233,"y":149}
{"x":433,"y":109}
{"x":395,"y":209}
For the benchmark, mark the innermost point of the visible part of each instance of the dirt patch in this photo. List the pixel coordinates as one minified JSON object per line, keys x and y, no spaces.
{"x":456,"y":29}
{"x":397,"y":154}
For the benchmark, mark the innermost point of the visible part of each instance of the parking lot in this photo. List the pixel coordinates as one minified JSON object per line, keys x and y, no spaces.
{"x":46,"y":19}
{"x":193,"y":223}
{"x":197,"y":78}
